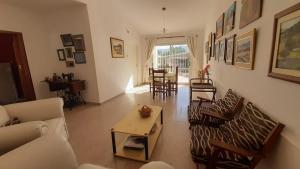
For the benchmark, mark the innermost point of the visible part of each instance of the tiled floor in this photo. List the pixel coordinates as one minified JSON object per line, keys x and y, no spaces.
{"x":89,"y":127}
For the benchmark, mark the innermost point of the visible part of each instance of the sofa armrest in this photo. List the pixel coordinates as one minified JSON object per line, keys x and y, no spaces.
{"x":17,"y":135}
{"x":39,"y":110}
{"x":47,"y":152}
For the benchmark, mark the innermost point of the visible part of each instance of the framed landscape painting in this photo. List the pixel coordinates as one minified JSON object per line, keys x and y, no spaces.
{"x":245,"y":50}
{"x":213,"y":38}
{"x":285,"y":57}
{"x":251,"y":11}
{"x":222,"y":50}
{"x":220,"y":27}
{"x":117,"y":48}
{"x":217,"y":50}
{"x":229,"y":18}
{"x":229,"y":58}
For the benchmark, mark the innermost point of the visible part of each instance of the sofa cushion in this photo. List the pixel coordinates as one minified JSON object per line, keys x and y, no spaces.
{"x":3,"y":116}
{"x":57,"y":126}
{"x":90,"y":166}
{"x":157,"y":165}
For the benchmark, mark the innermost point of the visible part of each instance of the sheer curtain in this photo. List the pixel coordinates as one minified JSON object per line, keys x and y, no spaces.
{"x":150,"y":44}
{"x":191,"y":41}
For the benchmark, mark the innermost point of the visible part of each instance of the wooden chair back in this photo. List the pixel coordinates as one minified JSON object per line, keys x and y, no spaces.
{"x":159,"y":82}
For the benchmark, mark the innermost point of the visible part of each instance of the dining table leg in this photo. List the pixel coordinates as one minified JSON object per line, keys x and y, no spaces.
{"x":169,"y":87}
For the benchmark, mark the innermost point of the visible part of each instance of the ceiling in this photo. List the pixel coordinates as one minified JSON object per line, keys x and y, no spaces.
{"x":145,"y":15}
{"x":180,"y":16}
{"x":42,"y":5}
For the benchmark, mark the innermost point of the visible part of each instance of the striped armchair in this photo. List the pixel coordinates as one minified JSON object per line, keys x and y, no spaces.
{"x":215,"y":113}
{"x":237,"y":144}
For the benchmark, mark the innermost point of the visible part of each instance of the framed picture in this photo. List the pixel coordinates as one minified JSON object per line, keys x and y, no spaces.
{"x":285,"y":55}
{"x":70,"y":64}
{"x":79,"y":57}
{"x":78,"y":41}
{"x":117,"y":48}
{"x":217,"y":50}
{"x":61,"y":54}
{"x":229,"y":58}
{"x":245,"y":50}
{"x":213,"y":39}
{"x":251,"y":11}
{"x":220,"y":26}
{"x":209,"y":39}
{"x":69,"y":52}
{"x":229,"y":18}
{"x":222,"y":50}
{"x":206,"y":47}
{"x":67,"y":40}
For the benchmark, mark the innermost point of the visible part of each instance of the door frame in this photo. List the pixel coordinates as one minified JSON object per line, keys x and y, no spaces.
{"x":22,"y":63}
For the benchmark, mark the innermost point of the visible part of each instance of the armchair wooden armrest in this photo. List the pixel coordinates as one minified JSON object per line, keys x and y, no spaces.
{"x":231,"y":148}
{"x":215,"y":115}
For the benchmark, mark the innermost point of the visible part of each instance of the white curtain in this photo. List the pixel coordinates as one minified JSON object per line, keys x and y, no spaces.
{"x":191,"y":41}
{"x":150,"y":45}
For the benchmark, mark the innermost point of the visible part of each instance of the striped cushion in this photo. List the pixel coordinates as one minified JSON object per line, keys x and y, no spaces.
{"x":232,"y":100}
{"x":248,"y":131}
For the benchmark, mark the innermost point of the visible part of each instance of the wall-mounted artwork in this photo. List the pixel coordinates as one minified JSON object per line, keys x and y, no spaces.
{"x":222,"y":50}
{"x":206,"y":51}
{"x":67,"y":40}
{"x":213,"y":38}
{"x":78,"y":41}
{"x":70,"y":64}
{"x":61,"y":54}
{"x":217,"y":50}
{"x":117,"y":48}
{"x":69,"y":52}
{"x":285,"y":58}
{"x":230,"y":50}
{"x":251,"y":11}
{"x":245,"y":50}
{"x":220,"y":26}
{"x":229,"y":18}
{"x":209,"y":39}
{"x":79,"y":57}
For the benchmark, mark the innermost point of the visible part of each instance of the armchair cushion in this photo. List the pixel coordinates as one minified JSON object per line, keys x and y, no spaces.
{"x":39,"y":110}
{"x":19,"y":134}
{"x":3,"y":116}
{"x":57,"y":126}
{"x":232,"y":100}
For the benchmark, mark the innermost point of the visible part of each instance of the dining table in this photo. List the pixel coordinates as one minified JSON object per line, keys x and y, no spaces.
{"x":170,"y":76}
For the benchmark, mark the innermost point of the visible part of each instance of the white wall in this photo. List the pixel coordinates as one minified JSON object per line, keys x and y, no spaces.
{"x":278,"y":98}
{"x":114,"y":75}
{"x":73,"y":20}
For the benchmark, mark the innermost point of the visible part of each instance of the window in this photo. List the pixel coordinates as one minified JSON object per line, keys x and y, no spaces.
{"x":170,"y":56}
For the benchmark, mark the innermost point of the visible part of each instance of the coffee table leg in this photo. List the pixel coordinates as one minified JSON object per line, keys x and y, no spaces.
{"x":113,"y":141}
{"x":146,"y":148}
{"x":161,"y":117}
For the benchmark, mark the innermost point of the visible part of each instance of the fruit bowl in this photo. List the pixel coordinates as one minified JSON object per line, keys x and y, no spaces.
{"x":145,"y":111}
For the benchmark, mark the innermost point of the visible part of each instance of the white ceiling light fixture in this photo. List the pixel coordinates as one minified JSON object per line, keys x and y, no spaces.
{"x":164,"y":30}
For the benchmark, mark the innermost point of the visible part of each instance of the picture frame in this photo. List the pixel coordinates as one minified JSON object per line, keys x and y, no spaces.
{"x":69,"y":52}
{"x":285,"y":54}
{"x":222,"y":50}
{"x":217,"y":51}
{"x":61,"y":54}
{"x":213,"y":39}
{"x":210,"y":39}
{"x":117,"y":48}
{"x":79,"y":57}
{"x":220,"y":26}
{"x":245,"y":47}
{"x":229,"y":18}
{"x":229,"y":59}
{"x":67,"y":40}
{"x":70,"y":64}
{"x":251,"y":10}
{"x":78,"y":41}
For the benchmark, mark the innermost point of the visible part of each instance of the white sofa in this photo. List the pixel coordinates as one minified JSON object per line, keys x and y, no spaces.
{"x":38,"y":118}
{"x":52,"y":152}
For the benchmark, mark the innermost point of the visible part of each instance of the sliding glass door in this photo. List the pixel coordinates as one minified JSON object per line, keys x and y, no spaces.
{"x":170,"y":56}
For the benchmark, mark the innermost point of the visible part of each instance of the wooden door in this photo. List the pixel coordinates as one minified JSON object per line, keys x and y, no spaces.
{"x":22,"y":65}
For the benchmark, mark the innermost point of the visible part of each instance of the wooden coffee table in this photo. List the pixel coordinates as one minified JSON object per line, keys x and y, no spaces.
{"x":134,"y":125}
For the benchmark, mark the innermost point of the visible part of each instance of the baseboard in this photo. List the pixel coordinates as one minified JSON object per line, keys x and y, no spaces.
{"x":112,"y":98}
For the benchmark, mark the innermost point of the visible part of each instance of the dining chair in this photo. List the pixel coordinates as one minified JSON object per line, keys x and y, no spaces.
{"x":159,"y":82}
{"x":173,"y":83}
{"x":150,"y":79}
